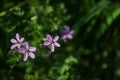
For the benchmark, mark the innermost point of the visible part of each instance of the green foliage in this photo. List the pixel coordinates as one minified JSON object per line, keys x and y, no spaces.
{"x":93,"y":54}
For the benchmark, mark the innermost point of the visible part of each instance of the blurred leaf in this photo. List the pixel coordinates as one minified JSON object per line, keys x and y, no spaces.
{"x":70,"y":60}
{"x":96,"y":10}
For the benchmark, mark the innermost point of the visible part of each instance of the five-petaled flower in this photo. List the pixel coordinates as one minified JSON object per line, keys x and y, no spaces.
{"x":17,"y":42}
{"x":51,"y":42}
{"x":27,"y":51}
{"x":67,"y":33}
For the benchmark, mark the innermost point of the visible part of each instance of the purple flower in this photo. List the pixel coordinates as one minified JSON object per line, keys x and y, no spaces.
{"x":16,"y":42}
{"x":51,"y":42}
{"x":27,"y":51}
{"x":67,"y":33}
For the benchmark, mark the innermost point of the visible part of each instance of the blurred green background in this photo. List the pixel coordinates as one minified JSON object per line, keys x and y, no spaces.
{"x":93,"y":54}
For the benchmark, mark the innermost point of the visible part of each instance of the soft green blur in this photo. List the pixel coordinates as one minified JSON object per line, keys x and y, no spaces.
{"x":93,"y":54}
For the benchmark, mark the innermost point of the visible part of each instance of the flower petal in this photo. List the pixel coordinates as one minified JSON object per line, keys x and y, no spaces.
{"x":52,"y":48}
{"x":32,"y":55}
{"x":13,"y":41}
{"x":21,"y":50}
{"x":56,"y":38}
{"x":64,"y":36}
{"x":18,"y":45}
{"x":25,"y":57}
{"x":67,"y":29}
{"x":26,"y":45}
{"x":69,"y":36}
{"x":71,"y":32}
{"x":13,"y":46}
{"x":22,"y":39}
{"x":46,"y":43}
{"x":32,"y":49}
{"x":49,"y":37}
{"x":57,"y":44}
{"x":17,"y":37}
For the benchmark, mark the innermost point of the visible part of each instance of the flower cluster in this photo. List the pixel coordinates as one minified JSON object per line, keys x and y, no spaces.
{"x":18,"y":42}
{"x":49,"y":41}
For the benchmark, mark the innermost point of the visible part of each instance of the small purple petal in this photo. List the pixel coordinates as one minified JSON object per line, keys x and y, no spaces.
{"x":49,"y":37}
{"x":21,"y":50}
{"x":64,"y":36}
{"x":57,"y":44}
{"x":17,"y":37}
{"x":22,"y":39}
{"x":18,"y":45}
{"x":32,"y":55}
{"x":32,"y":49}
{"x":52,"y":48}
{"x":71,"y":32}
{"x":13,"y":41}
{"x":67,"y":29}
{"x":46,"y":43}
{"x":26,"y":45}
{"x":25,"y":57}
{"x":13,"y":46}
{"x":69,"y":36}
{"x":56,"y":38}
